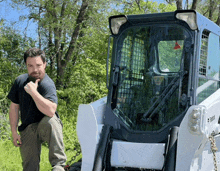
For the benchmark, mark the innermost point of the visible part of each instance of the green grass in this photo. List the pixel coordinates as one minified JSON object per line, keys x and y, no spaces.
{"x":10,"y":159}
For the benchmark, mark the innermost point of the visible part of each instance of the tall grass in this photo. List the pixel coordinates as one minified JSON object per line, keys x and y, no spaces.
{"x":10,"y":159}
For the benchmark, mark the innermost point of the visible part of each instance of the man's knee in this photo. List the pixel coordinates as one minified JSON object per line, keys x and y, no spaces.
{"x":48,"y":122}
{"x":45,"y":120}
{"x":47,"y":126}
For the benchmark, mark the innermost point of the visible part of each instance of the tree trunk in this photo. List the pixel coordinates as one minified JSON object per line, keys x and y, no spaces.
{"x":138,"y":3}
{"x":38,"y":28}
{"x":179,"y":4}
{"x":187,"y":4}
{"x":51,"y":51}
{"x":211,"y":9}
{"x":61,"y":63}
{"x":57,"y":39}
{"x":218,"y":20}
{"x":194,"y":4}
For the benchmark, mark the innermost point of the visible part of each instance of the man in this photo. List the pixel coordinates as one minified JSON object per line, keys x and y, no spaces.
{"x":34,"y":96}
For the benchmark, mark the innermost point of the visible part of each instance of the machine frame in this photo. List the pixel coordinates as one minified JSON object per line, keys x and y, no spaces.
{"x":190,"y":140}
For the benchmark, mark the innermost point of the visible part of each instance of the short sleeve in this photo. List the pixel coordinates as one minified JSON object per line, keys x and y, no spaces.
{"x":51,"y":94}
{"x":48,"y":90}
{"x":13,"y":94}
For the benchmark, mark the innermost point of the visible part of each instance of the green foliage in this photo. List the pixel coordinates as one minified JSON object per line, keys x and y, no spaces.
{"x":145,"y":7}
{"x":5,"y":133}
{"x":86,"y":85}
{"x":89,"y":75}
{"x":12,"y":47}
{"x":209,"y":9}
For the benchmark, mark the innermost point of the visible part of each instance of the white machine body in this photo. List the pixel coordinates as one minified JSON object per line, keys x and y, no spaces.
{"x":193,"y":148}
{"x":124,"y":154}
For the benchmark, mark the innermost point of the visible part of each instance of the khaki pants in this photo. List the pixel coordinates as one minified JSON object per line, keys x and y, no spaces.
{"x":47,"y":130}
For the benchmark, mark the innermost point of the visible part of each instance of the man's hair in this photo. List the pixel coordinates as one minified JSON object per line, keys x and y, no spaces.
{"x":34,"y":52}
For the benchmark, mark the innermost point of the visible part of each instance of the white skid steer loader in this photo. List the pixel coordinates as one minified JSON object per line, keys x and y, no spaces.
{"x":163,"y":105}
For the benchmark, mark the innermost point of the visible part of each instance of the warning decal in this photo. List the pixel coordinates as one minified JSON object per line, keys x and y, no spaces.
{"x":158,"y":79}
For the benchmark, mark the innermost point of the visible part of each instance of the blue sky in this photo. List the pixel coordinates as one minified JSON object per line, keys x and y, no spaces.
{"x":11,"y":15}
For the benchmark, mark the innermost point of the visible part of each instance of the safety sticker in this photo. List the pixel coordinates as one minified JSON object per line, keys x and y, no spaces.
{"x":158,"y":79}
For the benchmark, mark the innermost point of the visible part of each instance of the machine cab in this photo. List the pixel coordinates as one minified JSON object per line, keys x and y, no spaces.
{"x":151,"y":74}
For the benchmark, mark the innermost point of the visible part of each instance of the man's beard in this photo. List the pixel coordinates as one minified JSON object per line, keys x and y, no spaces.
{"x":32,"y":78}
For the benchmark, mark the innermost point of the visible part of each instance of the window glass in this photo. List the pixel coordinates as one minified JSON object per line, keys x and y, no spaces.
{"x":209,"y":66}
{"x":142,"y":53}
{"x":170,"y":53}
{"x":213,"y":57}
{"x":206,"y":88}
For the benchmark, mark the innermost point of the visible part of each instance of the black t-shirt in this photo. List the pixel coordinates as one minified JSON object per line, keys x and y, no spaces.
{"x":28,"y":109}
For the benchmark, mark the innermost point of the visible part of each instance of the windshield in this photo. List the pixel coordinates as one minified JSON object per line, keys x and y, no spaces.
{"x":152,"y":81}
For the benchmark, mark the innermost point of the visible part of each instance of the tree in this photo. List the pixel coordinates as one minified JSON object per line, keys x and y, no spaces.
{"x":12,"y":46}
{"x":61,"y":25}
{"x":194,"y":4}
{"x":218,"y":20}
{"x":178,"y":3}
{"x":210,"y":9}
{"x":144,"y":7}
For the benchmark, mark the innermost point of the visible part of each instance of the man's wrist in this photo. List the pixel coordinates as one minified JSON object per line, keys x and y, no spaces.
{"x":14,"y":132}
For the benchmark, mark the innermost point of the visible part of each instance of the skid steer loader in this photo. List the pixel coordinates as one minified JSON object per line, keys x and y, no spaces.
{"x":163,"y":104}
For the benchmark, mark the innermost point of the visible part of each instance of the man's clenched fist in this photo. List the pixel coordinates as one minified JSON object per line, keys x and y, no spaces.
{"x":31,"y":87}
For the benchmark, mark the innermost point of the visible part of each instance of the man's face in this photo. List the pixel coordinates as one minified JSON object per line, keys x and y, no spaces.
{"x":36,"y":67}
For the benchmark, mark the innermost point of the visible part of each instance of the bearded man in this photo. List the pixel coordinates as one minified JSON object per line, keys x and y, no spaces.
{"x":33,"y":98}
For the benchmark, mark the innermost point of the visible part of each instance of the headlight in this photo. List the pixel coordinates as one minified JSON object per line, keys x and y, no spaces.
{"x":189,"y":18}
{"x":116,"y":22}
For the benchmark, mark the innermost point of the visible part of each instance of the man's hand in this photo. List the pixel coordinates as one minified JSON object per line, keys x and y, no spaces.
{"x":16,"y":139}
{"x":31,"y":87}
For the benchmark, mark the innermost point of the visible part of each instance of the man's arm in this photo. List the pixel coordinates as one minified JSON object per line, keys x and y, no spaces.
{"x":46,"y":106}
{"x":14,"y":118}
